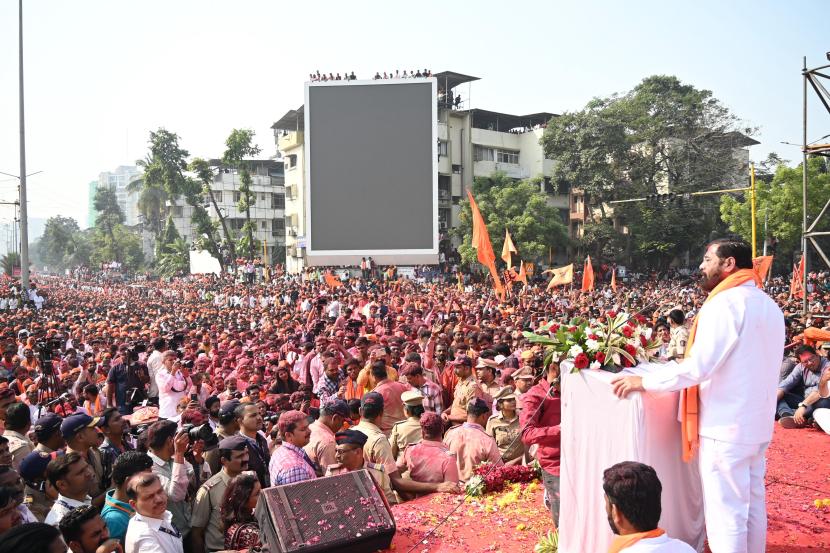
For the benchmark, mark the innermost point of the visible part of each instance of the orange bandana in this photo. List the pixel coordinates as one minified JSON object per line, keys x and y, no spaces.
{"x":689,"y":402}
{"x":621,"y":542}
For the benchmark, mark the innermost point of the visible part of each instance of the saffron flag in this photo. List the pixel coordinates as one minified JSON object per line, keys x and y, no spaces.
{"x":561,"y":275}
{"x":762,"y":265}
{"x":508,"y":249}
{"x":484,"y":248}
{"x":797,"y":283}
{"x":614,"y":279}
{"x":331,"y":280}
{"x":588,"y":276}
{"x":522,"y":273}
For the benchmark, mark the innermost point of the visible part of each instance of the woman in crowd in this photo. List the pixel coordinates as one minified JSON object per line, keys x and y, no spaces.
{"x":241,"y":529}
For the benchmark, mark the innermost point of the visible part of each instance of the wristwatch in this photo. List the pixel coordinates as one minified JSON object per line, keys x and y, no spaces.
{"x":802,"y":404}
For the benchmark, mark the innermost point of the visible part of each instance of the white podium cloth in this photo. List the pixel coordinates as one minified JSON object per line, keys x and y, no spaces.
{"x":600,"y":430}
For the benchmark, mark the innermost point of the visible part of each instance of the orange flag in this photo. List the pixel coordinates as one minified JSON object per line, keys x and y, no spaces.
{"x":331,"y":280}
{"x":561,"y":275}
{"x":508,"y":249}
{"x":522,"y":273}
{"x":797,"y":283}
{"x":614,"y":279}
{"x":484,"y":248}
{"x":762,"y":266}
{"x":588,"y":276}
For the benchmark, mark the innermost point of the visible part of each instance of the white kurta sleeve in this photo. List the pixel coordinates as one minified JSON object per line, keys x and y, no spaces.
{"x":717,"y":334}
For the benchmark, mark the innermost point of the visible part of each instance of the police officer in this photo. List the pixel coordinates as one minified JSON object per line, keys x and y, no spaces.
{"x":206,"y":522}
{"x":349,"y":454}
{"x":505,"y":429}
{"x":407,"y":431}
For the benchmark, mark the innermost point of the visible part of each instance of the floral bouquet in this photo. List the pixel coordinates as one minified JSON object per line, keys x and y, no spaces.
{"x":487,"y":478}
{"x":612,"y":344}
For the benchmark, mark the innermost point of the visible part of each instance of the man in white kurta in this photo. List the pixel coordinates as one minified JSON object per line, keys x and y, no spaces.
{"x":735,"y":360}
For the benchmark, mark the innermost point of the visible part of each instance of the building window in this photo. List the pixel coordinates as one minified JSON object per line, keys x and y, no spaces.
{"x":236,"y":197}
{"x":278,"y":227}
{"x":442,"y":148}
{"x":291,"y":161}
{"x":508,"y":156}
{"x":456,"y":169}
{"x":482,"y":153}
{"x":277,"y":201}
{"x":263,"y":225}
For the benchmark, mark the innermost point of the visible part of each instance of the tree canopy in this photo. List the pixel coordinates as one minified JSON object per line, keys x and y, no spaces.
{"x":662,"y":136}
{"x":520,"y":207}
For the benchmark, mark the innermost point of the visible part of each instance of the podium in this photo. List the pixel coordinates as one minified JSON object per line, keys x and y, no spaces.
{"x":600,"y":430}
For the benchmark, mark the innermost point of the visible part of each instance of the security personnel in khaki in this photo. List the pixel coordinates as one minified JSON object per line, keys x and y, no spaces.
{"x":349,"y":453}
{"x":466,"y":390}
{"x":505,"y":429}
{"x":207,"y":532}
{"x":408,"y":431}
{"x":376,"y":448}
{"x":679,"y":335}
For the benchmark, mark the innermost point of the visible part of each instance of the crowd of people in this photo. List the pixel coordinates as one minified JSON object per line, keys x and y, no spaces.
{"x":350,"y":76}
{"x":150,"y":416}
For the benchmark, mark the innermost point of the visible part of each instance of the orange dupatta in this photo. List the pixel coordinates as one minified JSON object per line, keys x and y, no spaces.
{"x":689,"y":401}
{"x":621,"y":542}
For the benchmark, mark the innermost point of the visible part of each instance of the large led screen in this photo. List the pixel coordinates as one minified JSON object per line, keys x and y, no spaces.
{"x":371,"y":170}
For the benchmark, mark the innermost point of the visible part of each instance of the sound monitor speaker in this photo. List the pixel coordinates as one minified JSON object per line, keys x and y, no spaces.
{"x":346,"y":512}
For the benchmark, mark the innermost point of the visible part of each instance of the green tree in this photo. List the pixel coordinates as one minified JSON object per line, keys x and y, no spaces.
{"x":9,"y":262}
{"x":169,"y":235}
{"x":781,"y":202}
{"x":109,"y":215}
{"x":519,"y":206}
{"x":205,"y":174}
{"x":175,"y":260}
{"x":239,"y":147}
{"x":59,"y":241}
{"x":662,"y":135}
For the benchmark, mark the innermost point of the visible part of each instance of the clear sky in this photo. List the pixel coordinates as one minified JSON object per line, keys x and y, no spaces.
{"x":100,"y":74}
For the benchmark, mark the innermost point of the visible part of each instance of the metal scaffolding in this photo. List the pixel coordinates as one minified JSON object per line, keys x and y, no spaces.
{"x":816,"y":78}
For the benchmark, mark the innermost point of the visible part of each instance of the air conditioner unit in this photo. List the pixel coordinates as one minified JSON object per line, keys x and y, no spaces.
{"x":292,"y":232}
{"x":291,"y":251}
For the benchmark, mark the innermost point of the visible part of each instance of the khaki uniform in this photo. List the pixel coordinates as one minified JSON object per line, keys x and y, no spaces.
{"x":472,"y":446}
{"x":507,"y":435}
{"x":206,"y":510}
{"x":491,"y":389}
{"x":678,"y":341}
{"x":404,"y":433}
{"x":465,"y":391}
{"x":377,"y":448}
{"x":212,"y":456}
{"x":19,"y":447}
{"x":378,"y":475}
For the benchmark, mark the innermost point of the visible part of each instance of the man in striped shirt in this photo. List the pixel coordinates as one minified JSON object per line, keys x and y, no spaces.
{"x":290,"y":463}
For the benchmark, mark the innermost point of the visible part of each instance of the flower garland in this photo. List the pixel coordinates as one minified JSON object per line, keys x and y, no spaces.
{"x":486,"y":480}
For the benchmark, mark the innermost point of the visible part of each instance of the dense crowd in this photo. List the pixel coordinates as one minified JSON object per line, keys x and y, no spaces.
{"x":150,"y":415}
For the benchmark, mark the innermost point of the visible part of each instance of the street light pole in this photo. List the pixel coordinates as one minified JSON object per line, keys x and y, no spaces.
{"x":24,"y":219}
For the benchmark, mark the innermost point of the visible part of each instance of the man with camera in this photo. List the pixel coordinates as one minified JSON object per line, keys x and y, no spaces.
{"x":173,"y":380}
{"x":168,"y":447}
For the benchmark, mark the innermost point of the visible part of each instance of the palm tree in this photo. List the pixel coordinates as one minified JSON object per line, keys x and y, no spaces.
{"x":152,"y":199}
{"x":9,"y":262}
{"x":175,"y":260}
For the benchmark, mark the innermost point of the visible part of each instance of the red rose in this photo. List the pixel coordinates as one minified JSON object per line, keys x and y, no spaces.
{"x":643,"y":341}
{"x":581,"y":361}
{"x":640,"y":318}
{"x":593,"y":337}
{"x":553,"y":328}
{"x":571,"y":329}
{"x":627,"y":331}
{"x":600,"y":357}
{"x":632,"y":351}
{"x":612,"y":314}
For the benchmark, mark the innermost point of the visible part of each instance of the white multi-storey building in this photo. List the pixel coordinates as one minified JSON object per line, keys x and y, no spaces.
{"x":267,"y":212}
{"x":472,"y":143}
{"x":117,"y":181}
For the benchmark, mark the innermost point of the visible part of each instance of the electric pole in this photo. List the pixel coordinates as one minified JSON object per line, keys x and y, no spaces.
{"x":24,"y":219}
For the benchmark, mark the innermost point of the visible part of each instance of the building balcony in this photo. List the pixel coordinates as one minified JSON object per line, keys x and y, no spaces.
{"x":496,"y":139}
{"x":290,"y":140}
{"x":511,"y":170}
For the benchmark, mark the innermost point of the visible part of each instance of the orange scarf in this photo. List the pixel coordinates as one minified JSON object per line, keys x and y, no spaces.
{"x":621,"y":542}
{"x":689,"y":402}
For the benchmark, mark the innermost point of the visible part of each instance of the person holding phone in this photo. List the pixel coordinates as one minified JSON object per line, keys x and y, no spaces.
{"x":173,"y":380}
